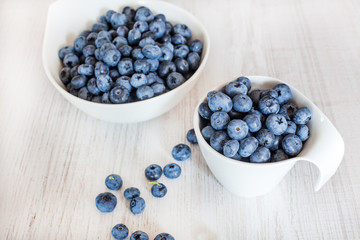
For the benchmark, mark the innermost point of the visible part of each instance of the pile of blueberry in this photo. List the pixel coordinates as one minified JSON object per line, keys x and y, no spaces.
{"x":258,"y":126}
{"x":129,"y":56}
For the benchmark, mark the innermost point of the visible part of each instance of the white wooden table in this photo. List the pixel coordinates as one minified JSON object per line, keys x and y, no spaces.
{"x":54,"y":158}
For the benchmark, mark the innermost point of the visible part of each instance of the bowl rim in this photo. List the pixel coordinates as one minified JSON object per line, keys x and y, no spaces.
{"x":147,"y":3}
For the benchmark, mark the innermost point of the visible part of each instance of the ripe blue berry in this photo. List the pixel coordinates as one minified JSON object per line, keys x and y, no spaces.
{"x":181,"y":152}
{"x":172,"y":171}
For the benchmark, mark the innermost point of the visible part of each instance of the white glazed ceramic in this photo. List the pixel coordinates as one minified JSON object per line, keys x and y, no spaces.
{"x":67,"y":19}
{"x":324,"y":148}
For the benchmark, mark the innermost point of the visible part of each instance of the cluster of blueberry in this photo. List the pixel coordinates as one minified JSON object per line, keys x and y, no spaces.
{"x":257,"y":126}
{"x":120,"y":232}
{"x":129,"y":56}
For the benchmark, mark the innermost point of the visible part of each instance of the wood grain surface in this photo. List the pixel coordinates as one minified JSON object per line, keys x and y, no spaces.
{"x":54,"y":158}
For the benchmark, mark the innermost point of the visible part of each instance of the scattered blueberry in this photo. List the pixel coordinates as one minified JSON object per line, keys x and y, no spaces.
{"x":158,"y":190}
{"x":172,"y":170}
{"x":120,"y":231}
{"x":191,"y":137}
{"x":131,"y":193}
{"x":137,"y":205}
{"x":153,"y":172}
{"x":139,"y":235}
{"x":113,"y":182}
{"x":105,"y":202}
{"x":181,"y":152}
{"x":164,"y":236}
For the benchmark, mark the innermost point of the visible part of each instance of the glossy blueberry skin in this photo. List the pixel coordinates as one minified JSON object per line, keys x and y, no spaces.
{"x":253,"y":122}
{"x":183,"y":30}
{"x":65,"y":75}
{"x":144,"y":92}
{"x":125,"y":50}
{"x":270,"y":92}
{"x":101,"y":69}
{"x":244,"y":81}
{"x":248,"y":146}
{"x":219,"y":120}
{"x":120,"y":231}
{"x":104,"y":82}
{"x":111,"y":57}
{"x":302,"y":116}
{"x":158,"y":27}
{"x":122,"y":31}
{"x":119,"y":95}
{"x":113,"y":182}
{"x":137,"y":205}
{"x":86,"y":69}
{"x":235,"y":88}
{"x":142,"y":66}
{"x":182,"y":65}
{"x":142,"y":26}
{"x":118,"y":19}
{"x":154,"y":64}
{"x":284,"y":93}
{"x":220,"y":102}
{"x":218,"y":139}
{"x":242,"y":103}
{"x":164,"y":236}
{"x":146,"y":41}
{"x":158,"y":88}
{"x":230,"y":148}
{"x":181,"y":51}
{"x":177,"y":39}
{"x":181,"y":152}
{"x":204,"y":111}
{"x":78,"y":81}
{"x":261,"y":155}
{"x":153,"y":172}
{"x":134,"y":36}
{"x":139,"y":235}
{"x":165,"y":68}
{"x":124,"y":81}
{"x":65,"y":50}
{"x":126,"y":67}
{"x":191,"y":136}
{"x":80,"y":43}
{"x":144,"y":14}
{"x":279,"y":155}
{"x":291,"y":144}
{"x":174,"y":79}
{"x":138,"y":79}
{"x":288,"y":110}
{"x":91,"y":38}
{"x":84,"y":94}
{"x":196,"y":46}
{"x":291,"y":128}
{"x":92,"y":87}
{"x":158,"y":190}
{"x":151,"y":51}
{"x":255,"y":95}
{"x":131,"y":193}
{"x":265,"y":138}
{"x":207,"y":132}
{"x":166,"y":54}
{"x":89,"y":50}
{"x":237,"y":129}
{"x":70,"y":60}
{"x":268,"y":105}
{"x":105,"y":202}
{"x":276,"y":123}
{"x":172,"y":171}
{"x":303,"y":132}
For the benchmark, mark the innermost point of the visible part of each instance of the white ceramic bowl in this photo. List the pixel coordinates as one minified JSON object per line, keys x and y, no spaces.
{"x":324,"y":148}
{"x":67,"y":19}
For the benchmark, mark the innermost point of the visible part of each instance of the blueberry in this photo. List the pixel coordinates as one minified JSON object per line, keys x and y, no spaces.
{"x":244,"y":81}
{"x":183,"y":30}
{"x":131,"y":193}
{"x":165,"y":68}
{"x":261,"y":155}
{"x":105,"y":202}
{"x":253,"y":122}
{"x":111,"y":57}
{"x":84,"y":94}
{"x":158,"y":27}
{"x":248,"y":146}
{"x":109,"y":14}
{"x":174,"y":79}
{"x":102,"y":19}
{"x":168,"y":27}
{"x":105,"y":47}
{"x":169,"y":46}
{"x":134,"y":36}
{"x":124,"y":81}
{"x":146,"y":41}
{"x":238,"y":157}
{"x":138,"y":79}
{"x":288,"y":110}
{"x":154,"y":78}
{"x":279,"y":155}
{"x":284,"y":93}
{"x":259,"y":114}
{"x":80,"y":43}
{"x":125,"y":50}
{"x":129,"y":12}
{"x":65,"y":50}
{"x":105,"y":97}
{"x":89,"y":50}
{"x":160,"y":17}
{"x":101,"y":41}
{"x":70,"y":88}
{"x":204,"y":111}
{"x":119,"y":95}
{"x":137,"y":205}
{"x":255,"y":96}
{"x":172,"y":171}
{"x":277,"y":143}
{"x":291,"y":127}
{"x":97,"y":55}
{"x":291,"y":144}
{"x":90,"y":60}
{"x":207,"y":132}
{"x":85,"y":33}
{"x":270,"y":92}
{"x":114,"y":74}
{"x":142,"y":26}
{"x":242,"y":103}
{"x":113,"y":182}
{"x":166,"y":54}
{"x":144,"y":14}
{"x":74,"y":71}
{"x":142,"y":66}
{"x":101,"y":68}
{"x":235,"y":88}
{"x":78,"y":81}
{"x":218,"y":139}
{"x":103,"y":82}
{"x":120,"y":231}
{"x":182,"y":65}
{"x":265,"y":138}
{"x":96,"y":99}
{"x":105,"y":34}
{"x":303,"y":132}
{"x":118,"y":19}
{"x":137,"y":53}
{"x":237,"y":129}
{"x":181,"y":152}
{"x":122,"y":31}
{"x":158,"y":190}
{"x":153,"y":172}
{"x":268,"y":105}
{"x":148,"y":34}
{"x":181,"y":51}
{"x":86,"y":69}
{"x":158,"y":88}
{"x":144,"y":92}
{"x":98,"y":27}
{"x":178,"y":39}
{"x":220,"y":102}
{"x":276,"y":123}
{"x":196,"y":46}
{"x":154,"y":64}
{"x":219,"y":120}
{"x":70,"y":60}
{"x":230,"y":148}
{"x":301,"y":116}
{"x":235,"y":115}
{"x":91,"y":38}
{"x":125,"y":66}
{"x":151,"y":51}
{"x":164,"y":236}
{"x":191,"y":136}
{"x":210,"y":94}
{"x":65,"y":75}
{"x":139,"y":235}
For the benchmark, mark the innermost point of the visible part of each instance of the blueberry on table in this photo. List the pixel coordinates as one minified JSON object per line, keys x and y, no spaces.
{"x":181,"y":152}
{"x":137,"y":205}
{"x":276,"y":123}
{"x":302,"y":116}
{"x":284,"y":93}
{"x":131,"y":193}
{"x":291,"y":144}
{"x":153,"y":172}
{"x":158,"y":190}
{"x":191,"y":136}
{"x":113,"y":182}
{"x":220,"y":102}
{"x":120,"y":231}
{"x":288,"y":110}
{"x":105,"y":202}
{"x":172,"y":171}
{"x":261,"y":155}
{"x":242,"y":103}
{"x":230,"y":148}
{"x":303,"y":132}
{"x":218,"y":139}
{"x":265,"y":138}
{"x":164,"y":236}
{"x":248,"y":146}
{"x":119,"y":95}
{"x":207,"y":132}
{"x":237,"y":129}
{"x":139,"y":235}
{"x":268,"y":105}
